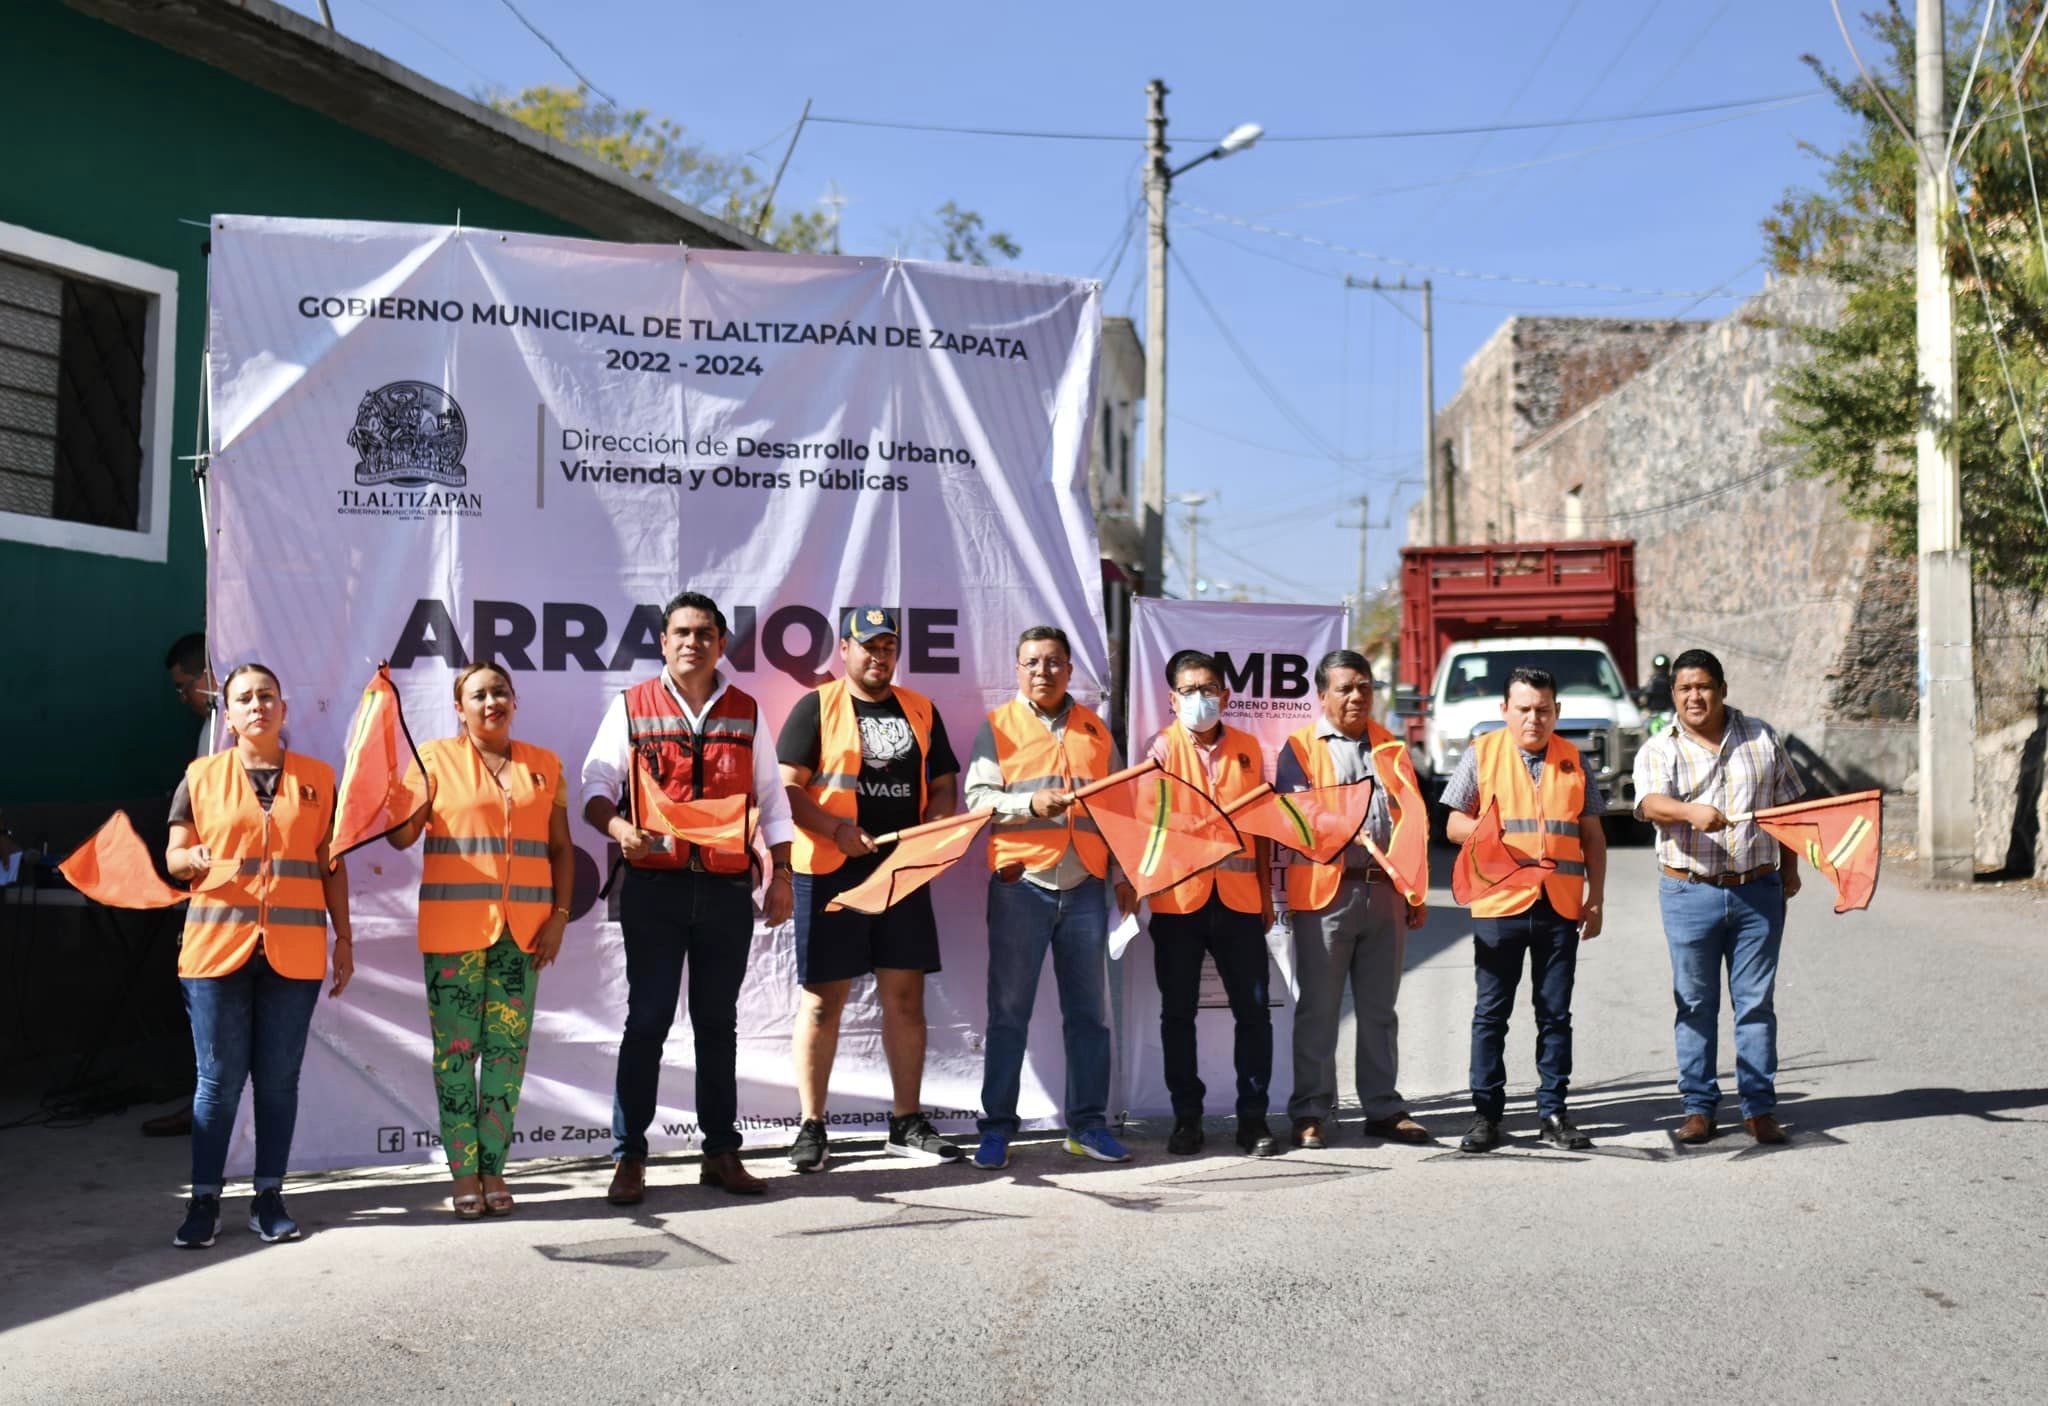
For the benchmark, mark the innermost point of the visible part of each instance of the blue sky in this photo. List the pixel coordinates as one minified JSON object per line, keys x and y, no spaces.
{"x":1669,"y":205}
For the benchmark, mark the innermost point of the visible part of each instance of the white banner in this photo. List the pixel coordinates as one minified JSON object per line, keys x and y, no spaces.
{"x":431,"y":444}
{"x":1268,"y":654}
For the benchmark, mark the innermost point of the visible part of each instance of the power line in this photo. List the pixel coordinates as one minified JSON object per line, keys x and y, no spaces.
{"x":556,"y":50}
{"x":1352,"y":459}
{"x":1389,"y":134}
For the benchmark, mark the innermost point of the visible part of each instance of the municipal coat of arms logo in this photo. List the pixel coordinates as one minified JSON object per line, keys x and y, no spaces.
{"x":409,"y":432}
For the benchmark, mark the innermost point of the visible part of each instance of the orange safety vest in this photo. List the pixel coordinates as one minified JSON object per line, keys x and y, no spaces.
{"x":487,"y":870}
{"x":1530,"y":819}
{"x":835,"y":785}
{"x":275,"y":897}
{"x":1240,"y":767}
{"x":1311,"y":887}
{"x":690,"y":766}
{"x":1033,"y":759}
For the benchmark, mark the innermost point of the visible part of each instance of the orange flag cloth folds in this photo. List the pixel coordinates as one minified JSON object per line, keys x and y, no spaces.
{"x":373,"y":799}
{"x":1407,"y":856}
{"x":114,"y":868}
{"x":1486,"y":865}
{"x":1317,"y":822}
{"x":1841,"y":836}
{"x":718,"y":823}
{"x":922,"y":853}
{"x":1160,"y":828}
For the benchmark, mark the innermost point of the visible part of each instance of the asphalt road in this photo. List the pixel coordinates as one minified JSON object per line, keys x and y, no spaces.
{"x":1896,"y":1250}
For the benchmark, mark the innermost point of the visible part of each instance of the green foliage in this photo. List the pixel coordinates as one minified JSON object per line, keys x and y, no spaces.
{"x":960,"y":232}
{"x":1855,"y":407}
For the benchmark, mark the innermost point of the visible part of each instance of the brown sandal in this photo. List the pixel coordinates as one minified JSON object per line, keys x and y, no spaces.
{"x":498,"y":1203}
{"x":469,"y":1207}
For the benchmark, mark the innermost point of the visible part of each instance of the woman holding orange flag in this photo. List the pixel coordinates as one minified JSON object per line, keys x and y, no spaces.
{"x":254,"y":950}
{"x":494,"y":896}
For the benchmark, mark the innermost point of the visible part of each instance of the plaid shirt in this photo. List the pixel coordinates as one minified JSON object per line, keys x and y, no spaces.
{"x":1749,"y":771}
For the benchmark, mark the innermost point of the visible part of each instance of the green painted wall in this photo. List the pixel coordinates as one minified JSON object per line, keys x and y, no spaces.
{"x":112,"y":140}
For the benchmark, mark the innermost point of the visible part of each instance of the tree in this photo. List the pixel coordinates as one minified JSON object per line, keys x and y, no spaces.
{"x":1853,"y":409}
{"x":960,"y":231}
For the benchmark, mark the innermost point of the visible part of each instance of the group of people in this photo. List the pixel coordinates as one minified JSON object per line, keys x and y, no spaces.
{"x":861,"y":757}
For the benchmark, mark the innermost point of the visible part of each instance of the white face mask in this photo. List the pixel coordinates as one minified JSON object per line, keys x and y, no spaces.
{"x":1199,"y":714}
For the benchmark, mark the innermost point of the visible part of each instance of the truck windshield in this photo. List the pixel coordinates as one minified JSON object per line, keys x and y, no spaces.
{"x":1580,"y":673}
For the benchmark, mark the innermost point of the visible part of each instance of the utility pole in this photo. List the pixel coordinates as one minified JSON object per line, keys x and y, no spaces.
{"x":1363,"y":524}
{"x":1193,"y":503}
{"x":1948,"y":702}
{"x":1157,"y":177}
{"x":1430,"y":477}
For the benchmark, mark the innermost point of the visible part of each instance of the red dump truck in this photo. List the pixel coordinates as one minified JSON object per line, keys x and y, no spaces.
{"x":1469,"y":614}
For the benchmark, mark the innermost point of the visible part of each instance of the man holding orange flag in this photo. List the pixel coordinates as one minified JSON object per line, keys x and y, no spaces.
{"x":1536,"y":781}
{"x":1351,"y":917}
{"x":1223,"y":912}
{"x":1050,"y":890}
{"x":863,"y":757}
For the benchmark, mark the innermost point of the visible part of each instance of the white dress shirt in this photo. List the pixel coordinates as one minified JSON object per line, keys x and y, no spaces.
{"x":609,"y":762}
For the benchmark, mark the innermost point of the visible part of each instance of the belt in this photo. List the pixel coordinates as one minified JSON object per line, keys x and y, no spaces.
{"x":1720,"y":881}
{"x":1366,"y":873}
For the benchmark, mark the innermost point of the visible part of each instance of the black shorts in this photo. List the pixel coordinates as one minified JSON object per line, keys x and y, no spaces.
{"x":840,"y":946}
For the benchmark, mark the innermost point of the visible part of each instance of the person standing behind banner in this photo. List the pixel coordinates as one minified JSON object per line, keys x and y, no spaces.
{"x":1349,"y":921}
{"x":255,"y":947}
{"x":862,"y":757}
{"x":700,"y":739}
{"x":1224,"y":912}
{"x":1723,"y":888}
{"x":1547,"y":811}
{"x":1052,"y":870}
{"x":494,"y":900}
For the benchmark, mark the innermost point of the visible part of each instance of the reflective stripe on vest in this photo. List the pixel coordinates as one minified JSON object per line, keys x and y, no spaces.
{"x":835,"y":785}
{"x":693,"y":765}
{"x":1531,"y":819}
{"x":1033,"y":759}
{"x":1311,"y":887}
{"x":275,"y":896}
{"x":1239,"y":768}
{"x":486,"y":869}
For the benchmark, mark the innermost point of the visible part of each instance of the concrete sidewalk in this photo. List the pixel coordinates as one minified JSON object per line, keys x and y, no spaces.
{"x":1897,"y":1250}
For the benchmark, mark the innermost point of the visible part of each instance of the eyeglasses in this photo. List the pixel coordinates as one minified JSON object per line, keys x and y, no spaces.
{"x":1199,"y":690}
{"x":1043,"y":666}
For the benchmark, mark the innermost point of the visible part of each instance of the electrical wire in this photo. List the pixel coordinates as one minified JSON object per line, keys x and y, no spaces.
{"x":556,"y":50}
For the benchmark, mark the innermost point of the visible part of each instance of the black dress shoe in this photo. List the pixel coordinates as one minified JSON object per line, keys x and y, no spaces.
{"x":1186,"y":1138}
{"x":1255,"y":1139}
{"x":1560,"y":1132}
{"x":1482,"y":1136}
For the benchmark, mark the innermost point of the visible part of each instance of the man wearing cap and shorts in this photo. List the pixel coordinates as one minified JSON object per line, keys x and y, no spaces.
{"x":862,"y":757}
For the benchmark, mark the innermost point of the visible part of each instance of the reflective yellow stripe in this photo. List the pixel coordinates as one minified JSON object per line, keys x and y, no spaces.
{"x":294,"y":869}
{"x":458,"y":893}
{"x":298,"y":917}
{"x":464,"y":844}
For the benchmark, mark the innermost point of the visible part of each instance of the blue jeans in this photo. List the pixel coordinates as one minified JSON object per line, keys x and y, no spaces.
{"x":247,"y":1027}
{"x":1551,"y":941}
{"x":1023,"y":920}
{"x":1740,"y":928}
{"x":667,"y":916}
{"x":1238,"y":943}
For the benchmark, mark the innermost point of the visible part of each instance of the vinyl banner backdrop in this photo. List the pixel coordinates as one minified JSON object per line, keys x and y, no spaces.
{"x":1268,"y":654}
{"x":435,"y":444}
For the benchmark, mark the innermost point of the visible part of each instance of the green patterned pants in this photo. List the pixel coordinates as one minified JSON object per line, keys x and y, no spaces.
{"x":480,"y":1005}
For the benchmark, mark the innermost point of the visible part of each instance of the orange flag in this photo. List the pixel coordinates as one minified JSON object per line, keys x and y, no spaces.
{"x":1485,"y":865}
{"x":1407,"y":856}
{"x":922,"y":853}
{"x":1841,"y":836}
{"x":114,"y":868}
{"x":721,"y":823}
{"x":373,"y":798}
{"x":1160,"y":828}
{"x":1317,"y":823}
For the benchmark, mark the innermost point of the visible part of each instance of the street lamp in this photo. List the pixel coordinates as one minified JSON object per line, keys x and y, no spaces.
{"x":1158,"y":180}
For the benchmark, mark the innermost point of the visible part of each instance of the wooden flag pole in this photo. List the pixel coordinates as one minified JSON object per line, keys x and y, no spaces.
{"x":1774,"y":812}
{"x":927,"y":828}
{"x":1116,"y":779}
{"x":1257,"y":793}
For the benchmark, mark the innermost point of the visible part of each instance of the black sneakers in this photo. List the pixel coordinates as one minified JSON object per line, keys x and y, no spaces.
{"x":913,"y":1136}
{"x":202,"y":1222}
{"x":1482,"y":1136}
{"x":1560,"y":1132}
{"x":809,"y":1152}
{"x":1186,"y":1138}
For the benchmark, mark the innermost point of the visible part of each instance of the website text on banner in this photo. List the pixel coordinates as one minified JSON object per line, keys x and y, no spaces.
{"x":1268,"y":654}
{"x":432,"y":445}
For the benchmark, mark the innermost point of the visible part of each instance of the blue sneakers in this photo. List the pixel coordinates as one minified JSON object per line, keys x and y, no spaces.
{"x":267,"y":1217}
{"x":994,"y":1152}
{"x":1098,"y":1144}
{"x":202,"y":1219}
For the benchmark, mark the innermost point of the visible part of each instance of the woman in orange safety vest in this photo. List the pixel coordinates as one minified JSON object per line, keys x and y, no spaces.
{"x":494,"y":900}
{"x":254,"y":950}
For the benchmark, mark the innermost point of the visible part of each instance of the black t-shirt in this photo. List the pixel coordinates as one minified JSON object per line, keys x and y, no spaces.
{"x":887,"y":795}
{"x":262,"y":778}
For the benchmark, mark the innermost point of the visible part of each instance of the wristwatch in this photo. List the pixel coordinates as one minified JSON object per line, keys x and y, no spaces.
{"x":785,"y":868}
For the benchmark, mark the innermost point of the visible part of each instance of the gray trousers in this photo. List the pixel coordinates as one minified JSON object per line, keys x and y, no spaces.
{"x":1360,"y":937}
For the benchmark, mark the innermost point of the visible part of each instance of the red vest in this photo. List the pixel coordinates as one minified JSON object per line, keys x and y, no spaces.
{"x":690,"y":766}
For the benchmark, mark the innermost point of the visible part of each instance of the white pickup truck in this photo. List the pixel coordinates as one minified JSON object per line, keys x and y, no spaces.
{"x":1595,"y":710}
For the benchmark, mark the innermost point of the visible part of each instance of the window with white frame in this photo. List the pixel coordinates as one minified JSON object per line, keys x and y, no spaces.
{"x":86,"y":352}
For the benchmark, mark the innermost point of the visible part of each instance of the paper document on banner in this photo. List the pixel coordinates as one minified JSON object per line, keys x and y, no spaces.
{"x":1842,"y":837}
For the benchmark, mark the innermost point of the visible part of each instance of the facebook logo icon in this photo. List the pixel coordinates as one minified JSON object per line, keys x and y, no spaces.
{"x":391,"y":1139}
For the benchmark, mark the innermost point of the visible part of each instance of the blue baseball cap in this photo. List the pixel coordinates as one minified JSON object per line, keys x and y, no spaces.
{"x":865,"y":622}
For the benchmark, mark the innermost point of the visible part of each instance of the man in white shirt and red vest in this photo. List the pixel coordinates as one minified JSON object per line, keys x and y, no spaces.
{"x":1222,"y":913}
{"x":700,"y":739}
{"x":863,"y":756}
{"x":1349,"y":918}
{"x":1548,"y":811}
